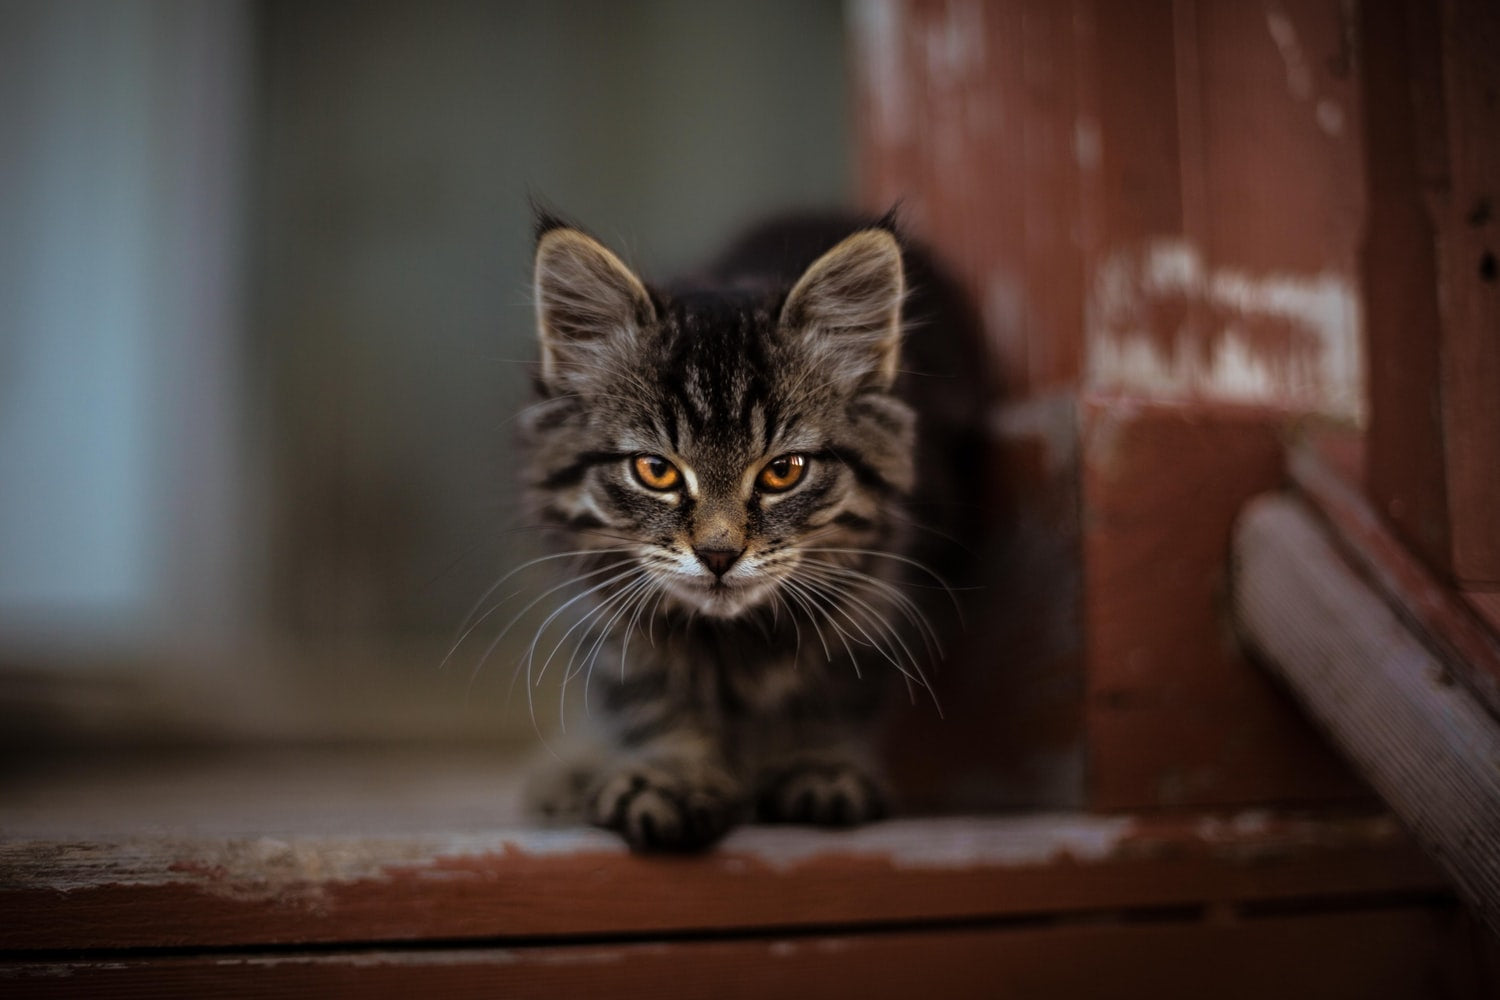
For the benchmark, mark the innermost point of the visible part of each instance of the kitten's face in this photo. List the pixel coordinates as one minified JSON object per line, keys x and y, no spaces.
{"x":721,"y":450}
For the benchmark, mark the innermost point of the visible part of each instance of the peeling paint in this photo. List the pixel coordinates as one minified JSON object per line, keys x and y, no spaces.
{"x":268,"y":867}
{"x":1161,"y":322}
{"x":877,"y":26}
{"x":1019,"y":841}
{"x":302,"y":868}
{"x":1299,"y":81}
{"x":1330,"y":117}
{"x":1004,"y":304}
{"x":1088,"y":143}
{"x":1051,"y":420}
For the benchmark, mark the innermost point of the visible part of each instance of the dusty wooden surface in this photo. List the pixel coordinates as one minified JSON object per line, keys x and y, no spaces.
{"x":330,"y":847}
{"x":1385,"y":697}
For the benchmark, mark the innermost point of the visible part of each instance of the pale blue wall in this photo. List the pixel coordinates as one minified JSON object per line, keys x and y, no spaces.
{"x":118,"y":266}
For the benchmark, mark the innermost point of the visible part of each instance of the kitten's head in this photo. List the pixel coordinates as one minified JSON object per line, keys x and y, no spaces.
{"x":716,"y":444}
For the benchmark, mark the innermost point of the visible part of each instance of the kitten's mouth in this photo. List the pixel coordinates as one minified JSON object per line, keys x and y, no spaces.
{"x":726,"y":598}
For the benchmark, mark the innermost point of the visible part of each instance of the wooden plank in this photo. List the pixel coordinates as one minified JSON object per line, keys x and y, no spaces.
{"x":1434,"y":612}
{"x":1279,"y":111}
{"x":180,"y":891}
{"x":1222,"y":266}
{"x":1432,"y":295}
{"x":966,"y":117}
{"x":1394,"y":953}
{"x":1426,"y":744}
{"x":1175,"y":714}
{"x":1469,"y":259}
{"x":1487,"y":605}
{"x":1406,"y":468}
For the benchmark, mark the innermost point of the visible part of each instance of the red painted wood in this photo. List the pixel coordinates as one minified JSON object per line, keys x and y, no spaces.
{"x":1403,"y":952}
{"x":1469,"y":256}
{"x":1432,"y":312}
{"x":1176,"y":715}
{"x":1437,"y":612}
{"x":207,"y":892}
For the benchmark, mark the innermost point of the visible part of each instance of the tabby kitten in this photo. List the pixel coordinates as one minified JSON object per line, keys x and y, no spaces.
{"x":727,"y":461}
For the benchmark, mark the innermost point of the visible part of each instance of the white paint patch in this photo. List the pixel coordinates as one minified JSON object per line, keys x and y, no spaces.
{"x":1020,"y":841}
{"x":1088,"y":143}
{"x":1004,"y":305}
{"x":1052,"y":420}
{"x":876,"y":26}
{"x":1219,"y":350}
{"x":1299,"y":80}
{"x":1330,"y":117}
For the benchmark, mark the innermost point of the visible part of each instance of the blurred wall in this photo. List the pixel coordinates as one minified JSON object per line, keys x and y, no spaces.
{"x":122,"y":513}
{"x":401,"y":144}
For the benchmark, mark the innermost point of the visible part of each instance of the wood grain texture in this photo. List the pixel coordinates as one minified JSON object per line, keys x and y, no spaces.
{"x":1176,"y":716}
{"x":1469,"y":256}
{"x":966,"y":115}
{"x":1426,"y":744}
{"x":1398,"y":953}
{"x":1435,"y":612}
{"x":1431,"y":288}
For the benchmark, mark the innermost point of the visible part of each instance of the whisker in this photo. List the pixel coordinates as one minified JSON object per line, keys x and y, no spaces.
{"x":496,"y":586}
{"x":876,"y":553}
{"x":904,"y":604}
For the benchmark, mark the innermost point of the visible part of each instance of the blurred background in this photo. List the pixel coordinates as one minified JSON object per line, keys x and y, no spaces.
{"x":264,"y":325}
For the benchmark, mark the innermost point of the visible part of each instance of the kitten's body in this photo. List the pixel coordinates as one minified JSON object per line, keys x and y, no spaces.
{"x":751,"y":625}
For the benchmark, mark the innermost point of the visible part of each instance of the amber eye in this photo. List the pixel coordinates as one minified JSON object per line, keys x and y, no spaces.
{"x":782,"y":473}
{"x":655,"y":472}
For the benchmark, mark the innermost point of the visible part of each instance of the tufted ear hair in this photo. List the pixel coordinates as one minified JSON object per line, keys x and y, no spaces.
{"x":589,"y":306}
{"x":846,"y":308}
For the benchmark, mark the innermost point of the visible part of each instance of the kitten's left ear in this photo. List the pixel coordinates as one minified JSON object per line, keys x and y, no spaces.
{"x":847,"y":307}
{"x":588,"y":305}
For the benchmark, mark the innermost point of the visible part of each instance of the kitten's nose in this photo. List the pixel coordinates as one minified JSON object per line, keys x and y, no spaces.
{"x":718,"y":560}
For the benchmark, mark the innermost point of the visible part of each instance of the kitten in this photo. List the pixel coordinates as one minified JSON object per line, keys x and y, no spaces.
{"x":728,"y":461}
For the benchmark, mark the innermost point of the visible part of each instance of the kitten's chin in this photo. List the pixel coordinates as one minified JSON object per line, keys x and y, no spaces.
{"x":720,"y":600}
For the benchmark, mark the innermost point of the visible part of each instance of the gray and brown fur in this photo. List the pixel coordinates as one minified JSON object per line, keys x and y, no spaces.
{"x":747,"y":635}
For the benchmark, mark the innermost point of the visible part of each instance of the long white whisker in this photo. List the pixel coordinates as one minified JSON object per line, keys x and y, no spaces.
{"x":844,"y":637}
{"x":812,"y":617}
{"x":873,"y":617}
{"x":620,"y":602}
{"x":832,"y":597}
{"x":901,"y":559}
{"x":537,"y":600}
{"x":904,"y":604}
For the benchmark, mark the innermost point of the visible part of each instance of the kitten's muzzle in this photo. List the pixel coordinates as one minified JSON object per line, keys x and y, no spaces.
{"x":718,"y":560}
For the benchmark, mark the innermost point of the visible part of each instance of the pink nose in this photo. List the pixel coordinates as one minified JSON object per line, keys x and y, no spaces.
{"x":718,"y":561}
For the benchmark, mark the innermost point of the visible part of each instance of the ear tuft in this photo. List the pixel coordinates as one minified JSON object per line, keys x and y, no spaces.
{"x":588,"y":304}
{"x":847,"y":308}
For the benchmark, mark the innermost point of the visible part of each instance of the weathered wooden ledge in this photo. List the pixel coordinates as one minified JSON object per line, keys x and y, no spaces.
{"x":174,"y":891}
{"x":1398,"y":679}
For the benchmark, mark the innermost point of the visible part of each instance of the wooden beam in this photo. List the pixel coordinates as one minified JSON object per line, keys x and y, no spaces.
{"x":174,"y":890}
{"x":1395,"y":953}
{"x":1426,"y":744}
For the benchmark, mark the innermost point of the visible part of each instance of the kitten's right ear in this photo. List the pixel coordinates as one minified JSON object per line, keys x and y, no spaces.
{"x":588,"y":305}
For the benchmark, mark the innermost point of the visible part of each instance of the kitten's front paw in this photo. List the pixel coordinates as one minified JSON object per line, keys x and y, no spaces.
{"x":827,"y":793}
{"x":655,"y":808}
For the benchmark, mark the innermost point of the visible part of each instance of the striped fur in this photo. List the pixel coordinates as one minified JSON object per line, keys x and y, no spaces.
{"x":744,"y":694}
